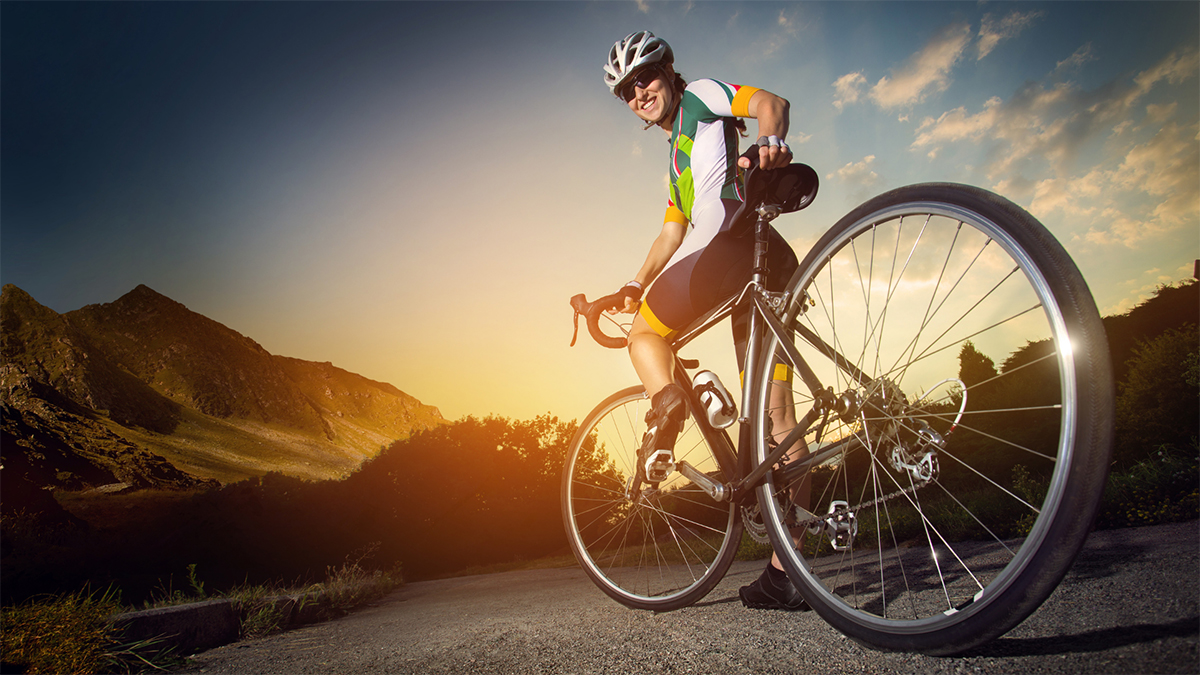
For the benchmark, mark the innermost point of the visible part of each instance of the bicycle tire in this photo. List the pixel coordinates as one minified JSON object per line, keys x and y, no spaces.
{"x":660,"y":551}
{"x":961,"y":559}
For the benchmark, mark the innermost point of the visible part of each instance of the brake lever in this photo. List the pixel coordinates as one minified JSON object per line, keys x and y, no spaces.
{"x":579,"y":303}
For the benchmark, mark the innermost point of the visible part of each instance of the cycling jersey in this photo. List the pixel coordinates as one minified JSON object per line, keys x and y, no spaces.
{"x":704,"y":144}
{"x":705,"y":190}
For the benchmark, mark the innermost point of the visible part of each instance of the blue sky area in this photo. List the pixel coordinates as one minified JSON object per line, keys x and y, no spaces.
{"x":413,"y":190}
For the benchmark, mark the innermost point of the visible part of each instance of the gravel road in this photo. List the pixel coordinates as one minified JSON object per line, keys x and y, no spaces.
{"x":1131,"y":604}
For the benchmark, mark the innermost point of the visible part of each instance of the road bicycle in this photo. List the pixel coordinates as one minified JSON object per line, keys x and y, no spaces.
{"x":924,"y":428}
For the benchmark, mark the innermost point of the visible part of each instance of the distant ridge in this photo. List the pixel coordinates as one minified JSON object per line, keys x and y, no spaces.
{"x":144,"y":392}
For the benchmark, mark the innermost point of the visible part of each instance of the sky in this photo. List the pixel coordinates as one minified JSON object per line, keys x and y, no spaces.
{"x":413,"y":191}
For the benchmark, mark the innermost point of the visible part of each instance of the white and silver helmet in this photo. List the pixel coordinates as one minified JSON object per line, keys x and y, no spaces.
{"x":636,"y":50}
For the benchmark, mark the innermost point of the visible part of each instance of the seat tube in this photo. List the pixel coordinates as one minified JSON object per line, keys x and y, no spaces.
{"x":754,"y":345}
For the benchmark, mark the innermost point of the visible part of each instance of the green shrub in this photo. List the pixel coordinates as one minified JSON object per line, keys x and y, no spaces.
{"x":1162,"y":488}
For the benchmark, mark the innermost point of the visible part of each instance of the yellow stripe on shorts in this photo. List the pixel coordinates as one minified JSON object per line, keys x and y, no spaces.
{"x":782,"y":373}
{"x":652,"y":321}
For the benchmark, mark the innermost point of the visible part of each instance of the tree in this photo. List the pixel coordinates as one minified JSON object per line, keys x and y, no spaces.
{"x":1157,"y":404}
{"x":472,"y":492}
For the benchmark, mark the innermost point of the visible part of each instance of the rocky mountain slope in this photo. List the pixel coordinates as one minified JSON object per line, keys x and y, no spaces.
{"x":143,"y":391}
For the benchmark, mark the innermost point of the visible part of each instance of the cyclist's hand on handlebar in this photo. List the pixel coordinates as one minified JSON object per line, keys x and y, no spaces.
{"x":633,"y":295}
{"x":773,"y":153}
{"x":630,"y":307}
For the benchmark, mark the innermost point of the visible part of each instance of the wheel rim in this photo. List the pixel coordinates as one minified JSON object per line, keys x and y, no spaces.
{"x":902,"y":288}
{"x":651,"y":550}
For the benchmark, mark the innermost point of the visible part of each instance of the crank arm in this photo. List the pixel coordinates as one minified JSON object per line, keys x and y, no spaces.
{"x":712,"y":488}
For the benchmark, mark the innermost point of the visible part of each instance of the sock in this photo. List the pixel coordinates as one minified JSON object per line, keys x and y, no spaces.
{"x":777,"y":577}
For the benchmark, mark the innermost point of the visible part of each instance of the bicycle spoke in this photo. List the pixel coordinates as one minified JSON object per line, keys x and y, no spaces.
{"x":653,"y":547}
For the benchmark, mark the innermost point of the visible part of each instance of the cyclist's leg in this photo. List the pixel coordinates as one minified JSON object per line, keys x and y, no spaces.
{"x":781,"y":265}
{"x":653,"y":360}
{"x":772,"y":589}
{"x":651,"y":355}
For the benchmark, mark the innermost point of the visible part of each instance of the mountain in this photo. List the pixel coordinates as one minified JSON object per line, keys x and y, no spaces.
{"x":144,"y":392}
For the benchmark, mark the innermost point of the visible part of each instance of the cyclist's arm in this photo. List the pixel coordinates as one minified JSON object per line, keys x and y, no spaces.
{"x":664,"y":246}
{"x":771,"y":111}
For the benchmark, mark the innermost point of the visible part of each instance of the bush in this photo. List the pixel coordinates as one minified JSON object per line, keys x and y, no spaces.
{"x":1159,"y":489}
{"x":1158,"y":404}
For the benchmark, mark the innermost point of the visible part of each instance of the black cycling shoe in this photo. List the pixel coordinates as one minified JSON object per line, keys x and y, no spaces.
{"x":656,"y":458}
{"x":773,"y":590}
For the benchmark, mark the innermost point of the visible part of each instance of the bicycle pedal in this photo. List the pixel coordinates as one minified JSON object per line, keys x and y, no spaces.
{"x":659,"y":465}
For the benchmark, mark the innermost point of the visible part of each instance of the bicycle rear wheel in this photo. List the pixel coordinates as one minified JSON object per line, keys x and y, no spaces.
{"x":970,"y":437}
{"x":658,"y":549}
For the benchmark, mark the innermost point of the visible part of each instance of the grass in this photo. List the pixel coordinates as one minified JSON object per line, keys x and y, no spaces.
{"x":71,"y":632}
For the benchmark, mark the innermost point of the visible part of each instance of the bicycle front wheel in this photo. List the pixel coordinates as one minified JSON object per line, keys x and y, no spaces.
{"x":657,"y":548}
{"x":967,"y":427}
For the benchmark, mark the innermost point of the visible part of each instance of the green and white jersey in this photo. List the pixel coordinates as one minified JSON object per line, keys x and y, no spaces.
{"x":704,"y":145}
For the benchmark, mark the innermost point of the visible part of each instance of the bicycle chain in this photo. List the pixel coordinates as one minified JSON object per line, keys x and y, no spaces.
{"x":816,"y":520}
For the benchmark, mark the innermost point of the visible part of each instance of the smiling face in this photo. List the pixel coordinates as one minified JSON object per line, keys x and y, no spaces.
{"x":652,"y":101}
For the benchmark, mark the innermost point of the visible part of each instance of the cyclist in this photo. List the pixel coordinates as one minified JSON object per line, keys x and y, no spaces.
{"x":697,"y":260}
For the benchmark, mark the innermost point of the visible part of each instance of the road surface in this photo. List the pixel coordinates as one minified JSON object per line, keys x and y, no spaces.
{"x":1131,"y":604}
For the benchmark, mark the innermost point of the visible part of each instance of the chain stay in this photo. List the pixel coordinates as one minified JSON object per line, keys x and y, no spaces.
{"x":758,"y":531}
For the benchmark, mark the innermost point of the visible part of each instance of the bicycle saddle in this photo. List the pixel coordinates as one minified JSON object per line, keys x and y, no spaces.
{"x":791,"y":188}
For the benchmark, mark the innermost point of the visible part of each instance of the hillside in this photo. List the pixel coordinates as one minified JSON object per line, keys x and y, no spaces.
{"x":145,"y":392}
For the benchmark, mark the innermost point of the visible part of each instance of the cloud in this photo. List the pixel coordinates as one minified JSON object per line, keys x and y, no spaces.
{"x":1156,"y":115}
{"x":787,"y":31}
{"x":1145,"y":178}
{"x":1146,"y":285}
{"x":1076,"y":61}
{"x":857,"y":173}
{"x":957,"y":125}
{"x":769,"y":39}
{"x":1153,"y":191}
{"x":1175,"y":68}
{"x":992,"y":31}
{"x":926,"y":71}
{"x":1049,"y":122}
{"x":798,"y":138}
{"x":1168,"y":169}
{"x":847,"y":89}
{"x":786,"y":22}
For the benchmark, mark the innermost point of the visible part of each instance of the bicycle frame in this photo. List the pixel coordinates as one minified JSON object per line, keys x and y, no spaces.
{"x":763,"y":306}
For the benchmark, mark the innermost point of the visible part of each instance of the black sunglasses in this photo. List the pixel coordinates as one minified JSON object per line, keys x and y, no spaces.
{"x":643,"y":78}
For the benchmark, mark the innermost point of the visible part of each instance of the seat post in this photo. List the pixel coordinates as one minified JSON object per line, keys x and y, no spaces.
{"x":762,"y":235}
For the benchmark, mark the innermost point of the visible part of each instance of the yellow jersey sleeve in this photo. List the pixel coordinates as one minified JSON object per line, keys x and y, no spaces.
{"x":674,"y":215}
{"x":741,"y":101}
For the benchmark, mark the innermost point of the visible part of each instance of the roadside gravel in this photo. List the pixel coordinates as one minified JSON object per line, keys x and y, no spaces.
{"x":1131,"y":604}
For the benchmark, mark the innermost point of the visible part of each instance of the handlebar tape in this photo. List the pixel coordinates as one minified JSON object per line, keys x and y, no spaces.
{"x":591,"y":312}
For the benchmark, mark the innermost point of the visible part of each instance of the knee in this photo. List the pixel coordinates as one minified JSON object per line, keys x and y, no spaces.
{"x":642,"y":336}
